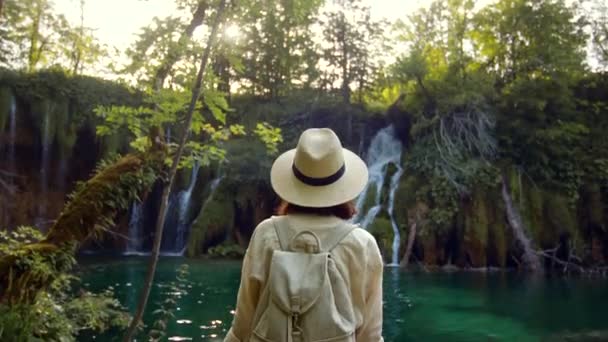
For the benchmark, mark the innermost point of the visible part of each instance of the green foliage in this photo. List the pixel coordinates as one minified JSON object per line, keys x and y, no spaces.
{"x":66,"y":101}
{"x":34,"y":35}
{"x":278,"y":51}
{"x":350,"y":37}
{"x":93,"y":204}
{"x":269,"y":135}
{"x":164,"y":108}
{"x":13,"y":240}
{"x":531,"y":39}
{"x":509,"y":98}
{"x":58,"y":312}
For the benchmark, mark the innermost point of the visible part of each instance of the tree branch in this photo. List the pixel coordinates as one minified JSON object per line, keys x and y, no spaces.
{"x":160,"y":223}
{"x":174,"y":54}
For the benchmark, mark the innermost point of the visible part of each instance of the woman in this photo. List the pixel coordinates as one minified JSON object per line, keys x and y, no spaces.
{"x":317,"y":181}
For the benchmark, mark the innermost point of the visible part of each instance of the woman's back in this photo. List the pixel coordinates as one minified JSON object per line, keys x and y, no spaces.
{"x":340,"y":287}
{"x":356,"y":256}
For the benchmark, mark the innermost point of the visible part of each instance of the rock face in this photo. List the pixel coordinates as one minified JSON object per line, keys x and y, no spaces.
{"x":479,"y":235}
{"x":48,"y":139}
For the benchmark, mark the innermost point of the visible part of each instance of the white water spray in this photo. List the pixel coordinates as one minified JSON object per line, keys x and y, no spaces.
{"x":385,"y":149}
{"x":391,"y":204}
{"x":134,"y":244}
{"x":184,"y":206}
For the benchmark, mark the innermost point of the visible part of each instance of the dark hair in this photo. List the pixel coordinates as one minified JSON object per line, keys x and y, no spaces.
{"x":344,"y":211}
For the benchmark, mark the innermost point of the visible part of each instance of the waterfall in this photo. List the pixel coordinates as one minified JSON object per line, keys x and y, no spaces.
{"x":184,"y":206}
{"x":44,"y":168}
{"x":385,"y":149}
{"x":12,"y":135}
{"x":214,"y":185}
{"x":134,"y":244}
{"x":391,"y":204}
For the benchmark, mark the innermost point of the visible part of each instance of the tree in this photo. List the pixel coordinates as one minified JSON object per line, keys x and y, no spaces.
{"x":23,"y":28}
{"x":277,"y":51}
{"x":34,"y":36}
{"x":455,"y":135}
{"x":522,"y":39}
{"x":157,"y":50}
{"x":350,"y":40}
{"x":536,"y":53}
{"x":174,"y":165}
{"x":79,"y":46}
{"x":599,"y":25}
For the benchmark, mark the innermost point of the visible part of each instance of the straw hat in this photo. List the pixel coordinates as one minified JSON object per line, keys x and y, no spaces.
{"x":319,"y":172}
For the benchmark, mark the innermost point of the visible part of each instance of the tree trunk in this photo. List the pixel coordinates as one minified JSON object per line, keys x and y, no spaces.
{"x":34,"y":35}
{"x":411,"y":237}
{"x":531,"y":260}
{"x":345,"y":88}
{"x":160,"y":223}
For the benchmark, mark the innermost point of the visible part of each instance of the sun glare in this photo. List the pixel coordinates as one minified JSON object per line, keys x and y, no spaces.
{"x":232,"y":31}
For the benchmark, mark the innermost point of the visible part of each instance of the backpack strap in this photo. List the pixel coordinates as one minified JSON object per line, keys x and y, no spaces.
{"x":281,"y":228}
{"x":338,"y":233}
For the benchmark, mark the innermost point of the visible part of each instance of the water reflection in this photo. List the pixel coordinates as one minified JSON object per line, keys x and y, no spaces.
{"x":417,"y":306}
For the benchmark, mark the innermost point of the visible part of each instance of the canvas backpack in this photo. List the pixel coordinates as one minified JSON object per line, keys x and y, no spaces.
{"x":306,"y":297}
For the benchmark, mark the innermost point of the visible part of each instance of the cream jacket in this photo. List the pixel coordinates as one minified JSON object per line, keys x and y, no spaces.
{"x":357,"y":256}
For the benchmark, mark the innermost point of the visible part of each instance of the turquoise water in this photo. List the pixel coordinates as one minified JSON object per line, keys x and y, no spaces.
{"x":418,"y":307}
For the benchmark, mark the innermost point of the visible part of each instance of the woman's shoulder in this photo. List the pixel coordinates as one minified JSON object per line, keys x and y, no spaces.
{"x":359,"y":237}
{"x":264,"y":229}
{"x":363,"y":237}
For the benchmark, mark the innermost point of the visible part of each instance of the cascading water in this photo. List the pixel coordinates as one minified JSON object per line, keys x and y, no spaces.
{"x":184,"y":206}
{"x":385,"y":149}
{"x":391,"y":204}
{"x":214,"y":185}
{"x":134,"y":244}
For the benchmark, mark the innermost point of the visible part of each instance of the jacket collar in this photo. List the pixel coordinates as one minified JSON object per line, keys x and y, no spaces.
{"x":308,"y":220}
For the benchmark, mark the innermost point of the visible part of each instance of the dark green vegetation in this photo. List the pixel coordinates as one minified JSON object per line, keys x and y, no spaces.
{"x":419,"y":307}
{"x":502,"y":110}
{"x":36,"y":294}
{"x":483,"y":99}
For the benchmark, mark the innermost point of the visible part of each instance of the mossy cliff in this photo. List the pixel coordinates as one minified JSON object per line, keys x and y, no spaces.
{"x":53,"y":142}
{"x":478,"y":234}
{"x":230,"y":199}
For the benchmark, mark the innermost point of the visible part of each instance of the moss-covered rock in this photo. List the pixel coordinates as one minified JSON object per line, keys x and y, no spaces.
{"x":406,"y":197}
{"x":368,"y":199}
{"x":382,"y":230}
{"x":213,"y":224}
{"x":429,"y":247}
{"x":560,"y":220}
{"x":476,"y":226}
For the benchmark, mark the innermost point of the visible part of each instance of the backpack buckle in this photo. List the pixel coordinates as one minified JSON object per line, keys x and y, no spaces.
{"x":296,"y":332}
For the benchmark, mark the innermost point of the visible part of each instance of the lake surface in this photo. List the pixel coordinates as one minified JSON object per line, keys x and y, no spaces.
{"x":418,"y":307}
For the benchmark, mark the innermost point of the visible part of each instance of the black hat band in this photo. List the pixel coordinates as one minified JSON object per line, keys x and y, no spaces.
{"x":318,"y":181}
